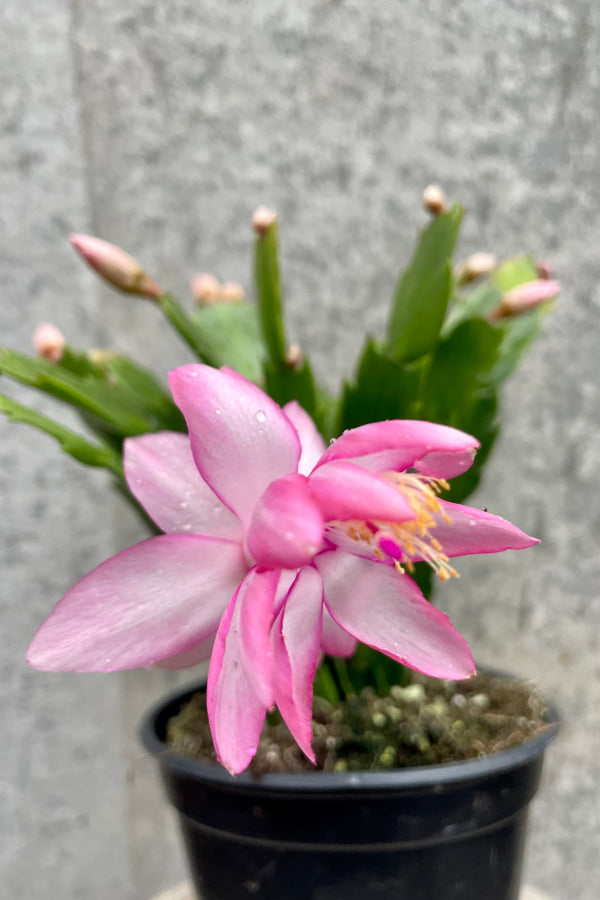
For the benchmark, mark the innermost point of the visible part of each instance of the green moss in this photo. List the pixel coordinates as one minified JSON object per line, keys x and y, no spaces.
{"x":427,"y":722}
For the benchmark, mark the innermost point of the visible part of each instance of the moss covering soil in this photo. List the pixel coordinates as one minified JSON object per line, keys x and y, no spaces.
{"x":427,"y":722}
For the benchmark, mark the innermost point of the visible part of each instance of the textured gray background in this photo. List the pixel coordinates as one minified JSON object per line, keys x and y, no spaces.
{"x":160,"y":126}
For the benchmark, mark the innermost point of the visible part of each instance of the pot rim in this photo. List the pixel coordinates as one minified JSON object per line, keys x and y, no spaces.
{"x":413,"y":778}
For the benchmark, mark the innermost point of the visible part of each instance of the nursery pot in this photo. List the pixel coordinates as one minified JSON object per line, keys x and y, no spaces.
{"x":454,"y":831}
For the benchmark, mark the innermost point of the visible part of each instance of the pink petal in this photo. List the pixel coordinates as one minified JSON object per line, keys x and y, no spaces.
{"x":156,"y":599}
{"x":296,"y":635}
{"x":256,"y":601}
{"x":286,"y":529}
{"x":334,"y":640}
{"x":162,"y":475}
{"x":192,"y":657}
{"x":346,"y":491}
{"x":241,"y":440}
{"x":400,"y":444}
{"x":475,"y":531}
{"x":387,"y":611}
{"x":311,"y":442}
{"x":235,"y":710}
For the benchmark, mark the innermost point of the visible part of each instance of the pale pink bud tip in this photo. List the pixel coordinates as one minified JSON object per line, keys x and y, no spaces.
{"x":526,"y":296}
{"x":205,"y":288}
{"x":116,"y":266}
{"x":434,"y":200}
{"x":544,"y":269}
{"x":232,"y":292}
{"x":49,"y":342}
{"x":478,"y":265}
{"x":294,"y":357}
{"x":263,"y":219}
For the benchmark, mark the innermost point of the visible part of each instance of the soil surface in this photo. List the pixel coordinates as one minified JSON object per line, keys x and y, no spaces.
{"x":429,"y":721}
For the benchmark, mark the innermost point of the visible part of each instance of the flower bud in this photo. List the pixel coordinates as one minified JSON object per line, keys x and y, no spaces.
{"x":49,"y":342}
{"x":116,"y":266}
{"x":100,"y":357}
{"x":231,"y":292}
{"x":524,"y":297}
{"x":263,"y":219}
{"x":434,"y":200}
{"x":544,"y":269}
{"x":478,"y":265}
{"x":205,"y":289}
{"x":294,"y":357}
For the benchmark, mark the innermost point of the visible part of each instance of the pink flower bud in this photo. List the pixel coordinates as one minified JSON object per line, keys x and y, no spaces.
{"x":117,"y":267}
{"x":434,"y":200}
{"x":231,"y":292}
{"x":205,"y":289}
{"x":478,"y":265}
{"x":294,"y":357}
{"x":263,"y":219}
{"x":49,"y":342}
{"x":524,"y":297}
{"x":544,"y":269}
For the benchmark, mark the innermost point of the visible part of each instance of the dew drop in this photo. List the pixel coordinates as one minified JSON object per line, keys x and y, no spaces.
{"x":218,"y":411}
{"x":193,"y":374}
{"x":261,"y":416}
{"x":472,"y":522}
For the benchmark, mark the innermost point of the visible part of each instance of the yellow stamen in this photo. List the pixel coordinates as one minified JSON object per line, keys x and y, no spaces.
{"x":414,"y":539}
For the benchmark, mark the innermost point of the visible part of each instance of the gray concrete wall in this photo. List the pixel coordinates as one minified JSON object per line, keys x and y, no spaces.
{"x":160,"y":126}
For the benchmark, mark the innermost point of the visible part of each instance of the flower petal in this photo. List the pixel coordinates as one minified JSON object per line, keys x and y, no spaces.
{"x":286,"y":529}
{"x":475,"y":531}
{"x":235,"y":710}
{"x":334,"y":640}
{"x":256,"y":600}
{"x":150,"y":602}
{"x":296,"y":646}
{"x":346,"y":491}
{"x":311,"y":442}
{"x":162,"y":476}
{"x":241,"y":440}
{"x":399,"y":444}
{"x":387,"y":611}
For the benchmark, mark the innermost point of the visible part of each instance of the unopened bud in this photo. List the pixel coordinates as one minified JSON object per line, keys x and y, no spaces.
{"x":544,"y":269}
{"x":205,"y":289}
{"x":232,"y":292}
{"x":100,"y":357}
{"x":478,"y":265}
{"x":49,"y":342}
{"x":263,"y":219}
{"x":434,"y":200}
{"x":294,"y":357}
{"x":117,"y":267}
{"x":524,"y":297}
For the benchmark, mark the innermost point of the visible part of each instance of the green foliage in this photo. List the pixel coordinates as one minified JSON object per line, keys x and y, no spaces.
{"x":421,"y":299}
{"x":233,"y":333}
{"x":73,"y":444}
{"x":269,"y":296}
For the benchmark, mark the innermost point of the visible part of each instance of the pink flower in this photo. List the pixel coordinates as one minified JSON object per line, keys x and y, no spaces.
{"x":277,"y":548}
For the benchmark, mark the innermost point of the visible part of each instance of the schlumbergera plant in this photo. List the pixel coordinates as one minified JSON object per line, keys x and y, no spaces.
{"x":291,"y":557}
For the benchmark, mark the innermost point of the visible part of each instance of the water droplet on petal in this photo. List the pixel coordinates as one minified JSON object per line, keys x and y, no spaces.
{"x":261,"y":416}
{"x":218,"y":411}
{"x":193,"y":374}
{"x":472,"y":522}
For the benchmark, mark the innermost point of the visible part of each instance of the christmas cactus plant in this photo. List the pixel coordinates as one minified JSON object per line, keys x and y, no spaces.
{"x":296,"y":523}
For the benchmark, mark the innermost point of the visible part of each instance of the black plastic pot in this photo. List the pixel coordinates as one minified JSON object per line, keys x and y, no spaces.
{"x":446,"y":832}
